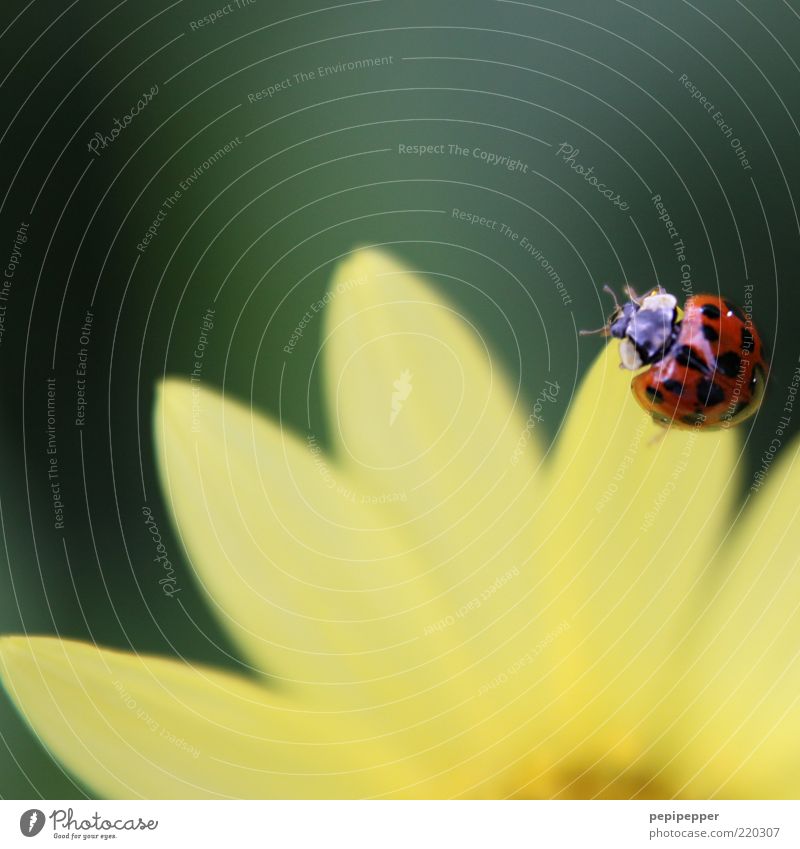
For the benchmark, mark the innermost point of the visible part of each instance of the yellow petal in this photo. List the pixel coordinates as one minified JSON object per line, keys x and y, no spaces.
{"x":312,"y":583}
{"x":421,"y":409}
{"x":308,"y":579}
{"x":633,"y":518}
{"x":738,"y":734}
{"x":137,"y":726}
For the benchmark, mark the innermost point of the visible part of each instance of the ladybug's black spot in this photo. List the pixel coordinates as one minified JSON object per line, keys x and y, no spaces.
{"x":729,"y":364}
{"x":688,"y":357}
{"x":646,"y":356}
{"x":710,"y":311}
{"x":735,"y":310}
{"x":709,"y":394}
{"x":747,"y":339}
{"x":710,"y":333}
{"x":739,"y":407}
{"x":654,"y":395}
{"x":672,"y":385}
{"x":693,"y":418}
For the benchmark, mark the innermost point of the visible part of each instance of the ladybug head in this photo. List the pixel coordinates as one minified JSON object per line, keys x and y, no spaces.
{"x":646,"y":326}
{"x":619,"y":321}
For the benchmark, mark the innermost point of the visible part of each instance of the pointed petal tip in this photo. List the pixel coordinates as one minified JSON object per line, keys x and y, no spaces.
{"x":365,"y":261}
{"x":21,"y":654}
{"x":132,"y":725}
{"x":8,"y":646}
{"x":14,"y":645}
{"x":42,"y":647}
{"x":169,"y":393}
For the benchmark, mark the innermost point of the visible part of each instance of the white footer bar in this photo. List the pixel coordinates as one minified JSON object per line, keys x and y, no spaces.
{"x":386,"y":825}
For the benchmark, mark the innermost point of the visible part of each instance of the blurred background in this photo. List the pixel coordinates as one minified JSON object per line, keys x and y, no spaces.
{"x":185,"y":175}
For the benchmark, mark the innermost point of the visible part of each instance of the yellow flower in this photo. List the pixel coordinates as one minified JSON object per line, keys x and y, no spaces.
{"x":435,"y":608}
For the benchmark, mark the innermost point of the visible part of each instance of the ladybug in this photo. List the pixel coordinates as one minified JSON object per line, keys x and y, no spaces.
{"x":706,"y":364}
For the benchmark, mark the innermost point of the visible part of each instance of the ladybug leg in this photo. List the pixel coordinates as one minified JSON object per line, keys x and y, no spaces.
{"x":603,"y":330}
{"x":660,"y":433}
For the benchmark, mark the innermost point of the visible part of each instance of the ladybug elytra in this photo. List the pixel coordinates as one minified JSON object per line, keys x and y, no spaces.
{"x":705,"y":365}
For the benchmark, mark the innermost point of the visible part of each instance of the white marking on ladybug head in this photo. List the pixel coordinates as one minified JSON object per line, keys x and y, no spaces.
{"x":629,"y":357}
{"x":660,"y":301}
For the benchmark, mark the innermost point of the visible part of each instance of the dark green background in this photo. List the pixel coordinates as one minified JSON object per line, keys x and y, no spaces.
{"x":307,"y":186}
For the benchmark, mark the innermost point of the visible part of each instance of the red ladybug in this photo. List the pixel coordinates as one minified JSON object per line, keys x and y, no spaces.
{"x":706,"y":364}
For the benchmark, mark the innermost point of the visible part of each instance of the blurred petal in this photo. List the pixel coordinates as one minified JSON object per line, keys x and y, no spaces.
{"x":738,"y":737}
{"x":421,"y":408}
{"x":135,"y":726}
{"x":312,"y":583}
{"x":633,"y":518}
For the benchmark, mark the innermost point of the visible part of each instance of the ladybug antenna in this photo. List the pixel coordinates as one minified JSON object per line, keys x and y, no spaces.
{"x":604,"y":329}
{"x":607,"y":288}
{"x":631,"y":293}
